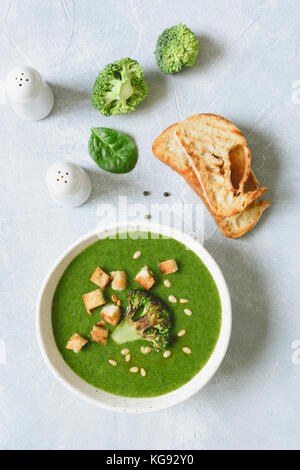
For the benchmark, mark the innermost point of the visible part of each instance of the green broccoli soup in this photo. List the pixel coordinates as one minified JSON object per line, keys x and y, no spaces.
{"x":167,"y":330}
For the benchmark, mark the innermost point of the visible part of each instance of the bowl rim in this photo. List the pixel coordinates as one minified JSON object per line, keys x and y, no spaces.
{"x":138,"y":405}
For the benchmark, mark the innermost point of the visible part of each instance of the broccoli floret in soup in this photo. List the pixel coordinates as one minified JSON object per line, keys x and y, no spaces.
{"x":146,"y":318}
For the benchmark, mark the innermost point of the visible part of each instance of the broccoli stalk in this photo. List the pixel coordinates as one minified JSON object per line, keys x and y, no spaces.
{"x":119,"y":88}
{"x":176,"y":47}
{"x":146,"y":318}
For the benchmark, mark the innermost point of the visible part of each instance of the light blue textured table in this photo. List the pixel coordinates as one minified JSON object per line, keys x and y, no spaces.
{"x":249,"y":71}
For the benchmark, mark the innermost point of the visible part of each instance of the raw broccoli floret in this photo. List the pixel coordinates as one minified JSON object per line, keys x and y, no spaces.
{"x":119,"y":87}
{"x":176,"y":47}
{"x":145,"y":318}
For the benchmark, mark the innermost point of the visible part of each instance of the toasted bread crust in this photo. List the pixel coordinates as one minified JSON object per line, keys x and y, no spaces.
{"x":168,"y":267}
{"x":223,"y":130}
{"x":245,"y":221}
{"x":100,"y":278}
{"x":99,"y":334}
{"x":119,"y":280}
{"x":168,"y":148}
{"x":216,"y":148}
{"x":93,"y":300}
{"x":76,"y":343}
{"x":236,"y":226}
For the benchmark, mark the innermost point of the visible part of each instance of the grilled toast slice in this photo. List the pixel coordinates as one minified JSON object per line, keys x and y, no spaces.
{"x":237,"y":225}
{"x":221,"y":160}
{"x":168,"y":149}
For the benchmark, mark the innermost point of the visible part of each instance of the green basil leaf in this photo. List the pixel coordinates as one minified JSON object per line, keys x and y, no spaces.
{"x":112,"y":150}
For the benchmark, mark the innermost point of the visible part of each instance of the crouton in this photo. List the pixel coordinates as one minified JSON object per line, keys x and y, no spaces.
{"x":93,"y":299}
{"x":100,"y":278}
{"x":168,"y":267}
{"x":76,"y":343}
{"x":111,"y":313}
{"x":119,"y":280}
{"x":145,"y":278}
{"x":99,"y":334}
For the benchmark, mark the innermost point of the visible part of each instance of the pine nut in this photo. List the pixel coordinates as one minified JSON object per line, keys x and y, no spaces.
{"x":134,"y":370}
{"x":167,"y":283}
{"x":188,"y":312}
{"x":114,"y":298}
{"x":181,"y":333}
{"x":112,"y":362}
{"x":187,"y":350}
{"x":125,"y":352}
{"x":143,"y":372}
{"x":146,"y":349}
{"x":137,"y":254}
{"x":119,"y":303}
{"x":167,"y":354}
{"x":184,"y":301}
{"x":127,"y":357}
{"x":172,"y":299}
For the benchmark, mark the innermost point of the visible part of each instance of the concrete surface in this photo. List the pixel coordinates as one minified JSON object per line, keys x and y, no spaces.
{"x":247,"y":70}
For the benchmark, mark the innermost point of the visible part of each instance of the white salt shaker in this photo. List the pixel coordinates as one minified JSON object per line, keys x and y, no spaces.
{"x":68,"y":184}
{"x":29,"y":95}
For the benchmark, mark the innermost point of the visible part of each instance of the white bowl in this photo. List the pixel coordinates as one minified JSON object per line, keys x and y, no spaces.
{"x":98,"y":397}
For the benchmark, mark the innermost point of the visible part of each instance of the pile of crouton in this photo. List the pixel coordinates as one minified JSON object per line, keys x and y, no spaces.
{"x":111,"y":313}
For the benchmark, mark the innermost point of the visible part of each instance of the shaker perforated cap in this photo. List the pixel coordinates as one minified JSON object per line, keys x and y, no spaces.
{"x":23,"y":83}
{"x":63,"y":179}
{"x":68,"y":184}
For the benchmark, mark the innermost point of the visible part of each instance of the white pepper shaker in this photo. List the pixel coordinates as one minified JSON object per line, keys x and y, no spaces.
{"x":29,"y":95}
{"x":68,"y":184}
